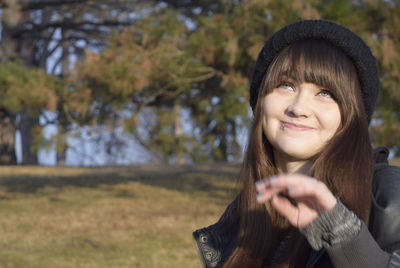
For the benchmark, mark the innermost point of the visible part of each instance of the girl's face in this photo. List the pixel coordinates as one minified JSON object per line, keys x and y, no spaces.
{"x":299,"y":119}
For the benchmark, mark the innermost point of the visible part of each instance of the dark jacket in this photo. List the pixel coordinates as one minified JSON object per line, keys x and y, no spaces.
{"x":377,"y":247}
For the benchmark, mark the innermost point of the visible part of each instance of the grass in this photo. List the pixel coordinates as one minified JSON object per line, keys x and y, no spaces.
{"x":395,"y":161}
{"x":138,"y":216}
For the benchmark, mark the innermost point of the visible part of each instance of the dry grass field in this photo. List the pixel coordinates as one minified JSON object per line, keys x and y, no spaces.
{"x":395,"y":162}
{"x":137,"y":216}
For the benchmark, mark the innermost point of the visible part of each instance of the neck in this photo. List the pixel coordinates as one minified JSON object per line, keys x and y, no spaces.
{"x":290,"y":165}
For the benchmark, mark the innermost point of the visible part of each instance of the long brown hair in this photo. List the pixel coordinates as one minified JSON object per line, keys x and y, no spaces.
{"x":344,"y":165}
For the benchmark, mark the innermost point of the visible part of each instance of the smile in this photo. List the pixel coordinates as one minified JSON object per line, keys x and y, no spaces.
{"x":297,"y":127}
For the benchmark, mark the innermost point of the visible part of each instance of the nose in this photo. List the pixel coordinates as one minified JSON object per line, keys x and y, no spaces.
{"x":299,"y":106}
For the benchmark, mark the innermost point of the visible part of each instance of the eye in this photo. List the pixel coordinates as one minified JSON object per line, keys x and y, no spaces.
{"x":326,"y":94}
{"x":286,"y":86}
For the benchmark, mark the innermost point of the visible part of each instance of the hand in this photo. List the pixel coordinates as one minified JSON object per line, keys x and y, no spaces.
{"x":311,"y":197}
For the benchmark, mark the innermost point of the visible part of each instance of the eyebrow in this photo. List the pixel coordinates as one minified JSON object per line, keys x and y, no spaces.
{"x":289,"y":78}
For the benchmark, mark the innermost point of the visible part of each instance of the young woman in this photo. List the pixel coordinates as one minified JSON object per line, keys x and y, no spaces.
{"x":313,"y":192}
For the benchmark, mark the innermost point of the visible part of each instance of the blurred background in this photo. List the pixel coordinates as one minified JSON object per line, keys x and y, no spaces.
{"x":119,"y":82}
{"x":123,"y":123}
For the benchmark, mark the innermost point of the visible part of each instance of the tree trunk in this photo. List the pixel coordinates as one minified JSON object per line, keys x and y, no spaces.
{"x":7,"y":139}
{"x":62,"y":145}
{"x":10,"y":20}
{"x":180,"y":157}
{"x":26,"y":126}
{"x":61,"y":157}
{"x":65,"y":71}
{"x":224,"y":145}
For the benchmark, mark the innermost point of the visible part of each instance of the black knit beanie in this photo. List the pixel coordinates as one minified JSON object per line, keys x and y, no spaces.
{"x":352,"y":45}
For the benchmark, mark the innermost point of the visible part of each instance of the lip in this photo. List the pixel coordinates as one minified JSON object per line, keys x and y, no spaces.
{"x":294,"y":126}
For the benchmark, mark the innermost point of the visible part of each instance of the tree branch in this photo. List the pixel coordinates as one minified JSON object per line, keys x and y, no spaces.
{"x":32,"y":5}
{"x":71,"y":25}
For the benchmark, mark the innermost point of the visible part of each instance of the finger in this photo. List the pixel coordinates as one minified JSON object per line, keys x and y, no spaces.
{"x":275,"y":181}
{"x":268,"y":194}
{"x":317,"y":191}
{"x":285,"y":208}
{"x":299,"y":216}
{"x":299,"y":186}
{"x":270,"y":186}
{"x":264,"y":184}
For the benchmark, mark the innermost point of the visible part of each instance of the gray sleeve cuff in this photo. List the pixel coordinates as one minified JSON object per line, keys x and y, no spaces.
{"x":332,"y":227}
{"x":361,"y":251}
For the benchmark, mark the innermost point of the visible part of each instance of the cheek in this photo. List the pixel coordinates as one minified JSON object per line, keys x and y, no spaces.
{"x":268,"y":112}
{"x":265,"y":122}
{"x":273,"y":105}
{"x":332,"y":120}
{"x":270,"y":123}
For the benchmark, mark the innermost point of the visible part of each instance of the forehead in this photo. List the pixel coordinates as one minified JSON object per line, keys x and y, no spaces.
{"x":313,"y":61}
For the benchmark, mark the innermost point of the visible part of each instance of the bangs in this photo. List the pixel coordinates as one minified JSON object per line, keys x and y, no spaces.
{"x":313,"y":61}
